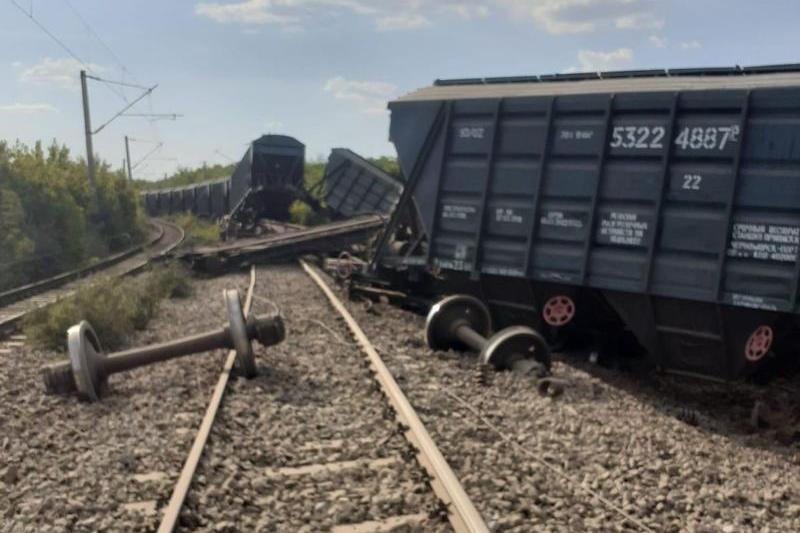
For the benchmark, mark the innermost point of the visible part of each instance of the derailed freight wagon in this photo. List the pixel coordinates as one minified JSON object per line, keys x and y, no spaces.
{"x":267,"y":179}
{"x":354,"y":186}
{"x":671,"y":197}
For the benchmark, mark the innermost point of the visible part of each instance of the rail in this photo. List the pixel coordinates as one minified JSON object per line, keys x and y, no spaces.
{"x":462,"y":513}
{"x":12,"y":313}
{"x":173,"y":509}
{"x":319,"y":239}
{"x":31,"y":289}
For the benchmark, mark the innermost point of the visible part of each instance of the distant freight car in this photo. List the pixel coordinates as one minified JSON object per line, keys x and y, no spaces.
{"x":218,"y":198}
{"x":354,"y":186}
{"x":151,"y":203}
{"x":188,"y":199}
{"x":202,"y":202}
{"x":267,"y":179}
{"x":175,"y":201}
{"x":673,"y":197}
{"x":164,"y":200}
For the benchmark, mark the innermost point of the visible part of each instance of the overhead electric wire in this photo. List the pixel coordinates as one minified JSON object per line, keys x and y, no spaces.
{"x":96,"y":36}
{"x":64,"y":46}
{"x":110,"y":84}
{"x":151,"y":117}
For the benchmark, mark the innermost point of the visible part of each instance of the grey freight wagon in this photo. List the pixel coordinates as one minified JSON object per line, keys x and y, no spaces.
{"x":354,"y":186}
{"x":267,"y":179}
{"x":671,"y":197}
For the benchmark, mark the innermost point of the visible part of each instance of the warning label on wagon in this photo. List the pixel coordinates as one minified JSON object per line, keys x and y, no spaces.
{"x":623,"y":228}
{"x":508,"y":215}
{"x":772,"y":242}
{"x":458,"y":212}
{"x":562,"y":219}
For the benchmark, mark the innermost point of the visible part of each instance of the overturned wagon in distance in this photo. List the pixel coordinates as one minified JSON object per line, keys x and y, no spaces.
{"x":268,"y":178}
{"x":354,"y":186}
{"x":263,"y":185}
{"x":666,"y":200}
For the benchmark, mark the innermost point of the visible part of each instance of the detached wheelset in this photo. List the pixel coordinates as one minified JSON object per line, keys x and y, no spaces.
{"x":461,"y":321}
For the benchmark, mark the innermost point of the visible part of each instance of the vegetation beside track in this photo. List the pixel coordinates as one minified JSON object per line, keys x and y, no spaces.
{"x":198,"y":231}
{"x":48,"y":223}
{"x":114,"y":307}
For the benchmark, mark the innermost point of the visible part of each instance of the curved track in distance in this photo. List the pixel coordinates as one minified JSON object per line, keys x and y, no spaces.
{"x":45,"y":292}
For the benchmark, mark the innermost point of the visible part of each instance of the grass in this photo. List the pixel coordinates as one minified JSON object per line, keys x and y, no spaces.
{"x":301,"y":213}
{"x":115,"y":308}
{"x":198,"y":231}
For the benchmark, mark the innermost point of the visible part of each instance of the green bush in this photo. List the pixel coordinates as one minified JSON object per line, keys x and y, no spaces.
{"x":48,"y":220}
{"x":301,"y":213}
{"x":115,"y":308}
{"x":198,"y":231}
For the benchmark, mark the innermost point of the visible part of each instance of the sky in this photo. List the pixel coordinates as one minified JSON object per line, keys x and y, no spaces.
{"x":324,"y":70}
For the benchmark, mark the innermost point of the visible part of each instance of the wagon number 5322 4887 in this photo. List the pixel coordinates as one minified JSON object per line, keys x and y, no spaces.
{"x":688,"y":138}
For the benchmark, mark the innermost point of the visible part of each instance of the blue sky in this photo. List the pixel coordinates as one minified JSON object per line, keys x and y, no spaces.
{"x":323,"y":70}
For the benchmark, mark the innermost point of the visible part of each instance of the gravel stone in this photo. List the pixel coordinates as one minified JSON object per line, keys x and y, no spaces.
{"x":78,"y":466}
{"x":314,"y":403}
{"x":616,"y":434}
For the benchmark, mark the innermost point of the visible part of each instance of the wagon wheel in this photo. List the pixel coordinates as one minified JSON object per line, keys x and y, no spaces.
{"x":344,"y":266}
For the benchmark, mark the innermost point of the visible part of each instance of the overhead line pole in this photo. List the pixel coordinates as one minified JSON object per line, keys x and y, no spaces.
{"x":87,"y":123}
{"x":128,"y":156}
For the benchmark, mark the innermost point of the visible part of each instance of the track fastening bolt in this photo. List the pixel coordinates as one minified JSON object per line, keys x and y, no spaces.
{"x":462,"y":321}
{"x":88,"y":368}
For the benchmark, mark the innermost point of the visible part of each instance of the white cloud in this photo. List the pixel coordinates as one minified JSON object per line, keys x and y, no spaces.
{"x":370,"y":96}
{"x":386,"y":15}
{"x":26,"y":109}
{"x":639,"y":21}
{"x":581,"y":16}
{"x":658,"y":42}
{"x":273,"y":125}
{"x":406,"y":21}
{"x":247,"y":12}
{"x":596,"y":61}
{"x":690,"y":45}
{"x":63,"y":73}
{"x":467,"y":11}
{"x":554,"y":16}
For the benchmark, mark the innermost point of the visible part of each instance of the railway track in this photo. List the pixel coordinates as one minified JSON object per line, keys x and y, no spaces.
{"x":311,"y":444}
{"x":331,"y":237}
{"x":19,"y":302}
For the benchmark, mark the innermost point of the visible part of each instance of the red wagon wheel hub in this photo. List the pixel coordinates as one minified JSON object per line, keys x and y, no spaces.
{"x":759,"y":343}
{"x":559,"y":310}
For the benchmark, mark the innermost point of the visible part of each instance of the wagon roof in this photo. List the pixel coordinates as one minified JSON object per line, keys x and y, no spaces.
{"x":770,"y":76}
{"x":357,"y":159}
